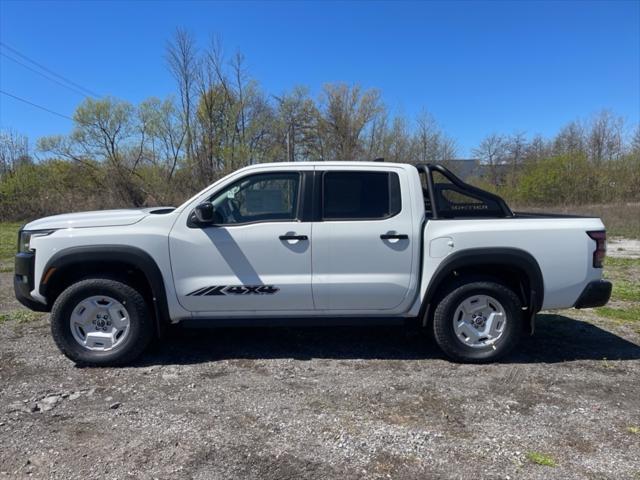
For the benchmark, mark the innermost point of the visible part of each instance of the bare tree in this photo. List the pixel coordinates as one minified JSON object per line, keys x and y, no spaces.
{"x":236,"y":124}
{"x":635,"y":141}
{"x":604,"y":139}
{"x":448,"y":148}
{"x":181,"y":56}
{"x":346,"y":112}
{"x":433,"y":145}
{"x":427,"y":137}
{"x":491,"y":151}
{"x":296,"y":115}
{"x":570,"y":139}
{"x":216,"y":115}
{"x":516,"y":148}
{"x":106,"y":130}
{"x":166,"y":133}
{"x":240,"y":77}
{"x":400,"y":144}
{"x":536,"y":149}
{"x":14,"y":151}
{"x":376,"y":141}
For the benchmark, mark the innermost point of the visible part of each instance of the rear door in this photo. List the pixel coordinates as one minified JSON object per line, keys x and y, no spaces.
{"x":364,"y":240}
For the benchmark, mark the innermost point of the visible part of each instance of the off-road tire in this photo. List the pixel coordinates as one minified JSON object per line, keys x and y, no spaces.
{"x":141,"y":323}
{"x":443,"y":323}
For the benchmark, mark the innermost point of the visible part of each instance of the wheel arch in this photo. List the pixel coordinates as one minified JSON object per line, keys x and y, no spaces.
{"x":514,"y":266}
{"x":122,"y":261}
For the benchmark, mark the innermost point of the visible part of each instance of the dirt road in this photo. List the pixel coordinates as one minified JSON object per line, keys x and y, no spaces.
{"x":323,"y":403}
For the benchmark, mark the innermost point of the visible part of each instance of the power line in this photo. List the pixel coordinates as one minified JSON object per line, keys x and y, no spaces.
{"x":67,"y":117}
{"x":48,"y":70}
{"x":73,"y":89}
{"x":36,"y":105}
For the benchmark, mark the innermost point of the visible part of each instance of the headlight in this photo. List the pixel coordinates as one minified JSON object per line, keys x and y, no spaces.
{"x":25,"y":236}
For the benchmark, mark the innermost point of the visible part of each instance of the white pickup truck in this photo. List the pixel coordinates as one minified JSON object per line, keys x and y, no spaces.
{"x":311,"y":242}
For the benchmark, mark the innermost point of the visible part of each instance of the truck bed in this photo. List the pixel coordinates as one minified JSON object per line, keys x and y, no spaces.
{"x":547,"y":215}
{"x":559,"y":243}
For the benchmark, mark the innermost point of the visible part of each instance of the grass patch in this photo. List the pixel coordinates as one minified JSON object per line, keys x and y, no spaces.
{"x":630,"y":314}
{"x":626,"y":291}
{"x":624,"y":273}
{"x":21,"y":316}
{"x":621,"y":262}
{"x":8,"y":239}
{"x":8,"y":244}
{"x":541,"y":459}
{"x":634,"y":430}
{"x":620,"y":220}
{"x":624,"y":270}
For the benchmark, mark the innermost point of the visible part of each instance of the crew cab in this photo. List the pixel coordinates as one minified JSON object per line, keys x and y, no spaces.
{"x":311,"y":242}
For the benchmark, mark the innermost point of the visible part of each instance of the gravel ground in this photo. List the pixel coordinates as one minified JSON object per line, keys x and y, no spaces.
{"x":343,"y":403}
{"x":623,"y":247}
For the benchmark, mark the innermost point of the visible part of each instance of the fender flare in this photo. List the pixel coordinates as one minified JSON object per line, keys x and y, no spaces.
{"x":503,"y":256}
{"x":133,"y":256}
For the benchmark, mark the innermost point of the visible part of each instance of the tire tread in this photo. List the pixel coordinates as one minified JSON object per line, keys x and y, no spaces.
{"x":134,"y":302}
{"x":442,"y":323}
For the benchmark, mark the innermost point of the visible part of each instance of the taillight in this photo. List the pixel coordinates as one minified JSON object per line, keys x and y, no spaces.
{"x":600,"y":236}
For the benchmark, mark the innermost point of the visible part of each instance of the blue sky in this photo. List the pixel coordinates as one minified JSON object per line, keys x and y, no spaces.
{"x":478,"y":67}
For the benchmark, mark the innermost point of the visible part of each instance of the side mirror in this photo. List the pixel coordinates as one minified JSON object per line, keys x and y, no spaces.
{"x":205,"y":213}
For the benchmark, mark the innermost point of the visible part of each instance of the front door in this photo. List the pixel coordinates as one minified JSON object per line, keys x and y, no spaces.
{"x":257,"y":257}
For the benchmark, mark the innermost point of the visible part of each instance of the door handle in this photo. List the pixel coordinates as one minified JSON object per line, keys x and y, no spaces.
{"x":293,"y":237}
{"x":394,"y":236}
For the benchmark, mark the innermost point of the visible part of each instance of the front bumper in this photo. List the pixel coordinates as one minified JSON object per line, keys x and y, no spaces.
{"x":595,"y":294}
{"x":23,"y":281}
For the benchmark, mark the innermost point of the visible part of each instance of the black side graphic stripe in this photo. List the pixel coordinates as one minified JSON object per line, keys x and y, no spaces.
{"x":205,"y":291}
{"x":222,"y":290}
{"x":217,"y":290}
{"x":199,"y":291}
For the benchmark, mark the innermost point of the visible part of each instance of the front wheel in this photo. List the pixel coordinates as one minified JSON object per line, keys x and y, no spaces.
{"x":478,"y":322}
{"x":101,"y":322}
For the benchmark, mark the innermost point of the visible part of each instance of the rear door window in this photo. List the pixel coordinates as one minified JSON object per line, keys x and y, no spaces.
{"x":360,"y":195}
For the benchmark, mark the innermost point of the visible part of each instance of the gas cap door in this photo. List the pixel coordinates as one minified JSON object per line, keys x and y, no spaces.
{"x":440,"y":247}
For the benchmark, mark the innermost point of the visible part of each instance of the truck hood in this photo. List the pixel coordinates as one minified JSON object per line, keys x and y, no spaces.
{"x":102,"y":218}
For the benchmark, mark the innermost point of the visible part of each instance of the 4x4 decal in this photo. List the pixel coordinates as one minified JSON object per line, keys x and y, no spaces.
{"x":234,"y":290}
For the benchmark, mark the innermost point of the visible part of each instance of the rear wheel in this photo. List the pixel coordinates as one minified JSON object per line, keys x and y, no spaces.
{"x":478,"y":322}
{"x":101,"y":322}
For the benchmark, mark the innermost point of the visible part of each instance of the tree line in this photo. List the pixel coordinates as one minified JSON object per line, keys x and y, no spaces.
{"x":161,"y":151}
